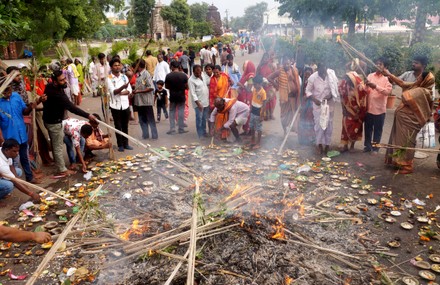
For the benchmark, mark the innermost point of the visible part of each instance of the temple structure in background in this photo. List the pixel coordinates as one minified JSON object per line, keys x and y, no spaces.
{"x":214,"y":18}
{"x":161,"y":29}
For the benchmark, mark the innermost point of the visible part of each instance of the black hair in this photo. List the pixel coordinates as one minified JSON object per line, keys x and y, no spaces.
{"x":385,"y":61}
{"x":11,"y":68}
{"x":10,"y":143}
{"x":55,"y":74}
{"x":114,"y":60}
{"x":160,"y":82}
{"x":423,"y":59}
{"x":148,"y":52}
{"x":101,"y":55}
{"x":97,"y":116}
{"x":218,"y":67}
{"x":185,"y":52}
{"x":86,"y":130}
{"x":175,"y":64}
{"x":229,"y":57}
{"x":209,"y":65}
{"x":196,"y":66}
{"x":308,"y":68}
{"x":141,"y":63}
{"x":69,"y":61}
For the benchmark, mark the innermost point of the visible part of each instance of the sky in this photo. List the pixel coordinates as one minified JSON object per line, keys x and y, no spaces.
{"x":235,"y":7}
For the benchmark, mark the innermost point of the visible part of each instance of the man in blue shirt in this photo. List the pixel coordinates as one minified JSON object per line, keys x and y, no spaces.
{"x":232,"y":69}
{"x":12,"y":109}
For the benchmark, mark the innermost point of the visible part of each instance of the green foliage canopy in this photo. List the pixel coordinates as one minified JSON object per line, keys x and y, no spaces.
{"x":178,"y":14}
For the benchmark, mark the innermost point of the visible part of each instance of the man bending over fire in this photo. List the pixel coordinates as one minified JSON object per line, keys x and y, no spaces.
{"x":228,"y":116}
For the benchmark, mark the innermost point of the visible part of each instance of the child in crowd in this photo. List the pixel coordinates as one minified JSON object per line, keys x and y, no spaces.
{"x":257,"y":113}
{"x":161,"y":100}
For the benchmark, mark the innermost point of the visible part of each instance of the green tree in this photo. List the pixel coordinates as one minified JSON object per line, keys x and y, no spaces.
{"x":53,"y":19}
{"x":142,"y":11}
{"x":12,"y":23}
{"x":237,"y":23}
{"x":330,"y":12}
{"x":254,"y":16}
{"x":419,"y":10}
{"x":200,"y":27}
{"x":178,"y":14}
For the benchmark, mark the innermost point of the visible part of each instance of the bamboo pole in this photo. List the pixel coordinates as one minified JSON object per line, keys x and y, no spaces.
{"x":36,"y":187}
{"x":148,"y":148}
{"x":406,"y":148}
{"x":7,"y":80}
{"x":105,"y":106}
{"x":193,"y":236}
{"x":289,"y":128}
{"x":323,"y":249}
{"x":59,"y":241}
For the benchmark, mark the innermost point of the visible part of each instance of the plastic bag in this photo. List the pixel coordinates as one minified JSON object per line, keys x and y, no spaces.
{"x":325,"y":114}
{"x":426,"y":137}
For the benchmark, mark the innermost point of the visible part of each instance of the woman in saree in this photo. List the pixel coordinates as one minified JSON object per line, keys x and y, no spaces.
{"x":219,"y":86}
{"x":244,"y":94}
{"x":266,"y":68}
{"x":286,"y":80}
{"x":409,"y":118}
{"x":306,"y":127}
{"x":354,"y":108}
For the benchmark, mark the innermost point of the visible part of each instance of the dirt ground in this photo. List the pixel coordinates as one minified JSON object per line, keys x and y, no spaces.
{"x":423,"y":182}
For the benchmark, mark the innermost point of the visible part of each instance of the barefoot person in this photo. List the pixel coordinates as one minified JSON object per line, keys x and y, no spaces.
{"x":323,"y":85}
{"x":257,"y":111}
{"x":227,"y":116}
{"x":8,"y":152}
{"x":354,"y":107}
{"x":409,"y":118}
{"x":53,"y":113}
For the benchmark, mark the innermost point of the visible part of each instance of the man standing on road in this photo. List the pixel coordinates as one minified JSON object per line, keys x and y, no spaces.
{"x":323,"y":86}
{"x":53,"y":114}
{"x":12,"y":126}
{"x":177,"y":83}
{"x":144,"y":100}
{"x":233,"y":71}
{"x":119,"y":88}
{"x":150,"y":63}
{"x":161,"y":70}
{"x":199,"y":93}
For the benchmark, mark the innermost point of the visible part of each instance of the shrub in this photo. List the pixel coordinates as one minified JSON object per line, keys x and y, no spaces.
{"x":118,"y":46}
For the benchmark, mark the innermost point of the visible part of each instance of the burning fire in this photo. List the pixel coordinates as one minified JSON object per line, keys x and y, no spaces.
{"x":235,"y":192}
{"x":279,"y":229}
{"x":135,"y":230}
{"x":288,"y":280}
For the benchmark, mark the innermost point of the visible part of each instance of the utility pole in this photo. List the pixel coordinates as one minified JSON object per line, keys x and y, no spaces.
{"x":227,"y":19}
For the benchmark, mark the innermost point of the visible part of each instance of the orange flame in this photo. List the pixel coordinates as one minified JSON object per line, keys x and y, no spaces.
{"x":288,"y":280}
{"x":134,"y":230}
{"x":235,"y":192}
{"x":279,"y":229}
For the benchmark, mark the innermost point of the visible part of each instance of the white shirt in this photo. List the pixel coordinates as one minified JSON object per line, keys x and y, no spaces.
{"x":161,"y":71}
{"x":99,"y":71}
{"x":91,"y":67}
{"x":238,"y":110}
{"x":214,"y":51}
{"x":198,"y":90}
{"x":5,"y":164}
{"x":118,"y":102}
{"x":206,"y":56}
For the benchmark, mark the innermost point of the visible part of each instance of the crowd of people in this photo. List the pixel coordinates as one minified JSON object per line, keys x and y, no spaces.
{"x":229,"y":102}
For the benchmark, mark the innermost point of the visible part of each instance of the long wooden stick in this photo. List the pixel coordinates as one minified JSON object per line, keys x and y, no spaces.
{"x":406,"y":148}
{"x":59,"y":241}
{"x":105,"y":102}
{"x":148,"y":148}
{"x":176,"y":269}
{"x":193,"y":236}
{"x":323,"y":249}
{"x":36,"y":187}
{"x":289,"y":128}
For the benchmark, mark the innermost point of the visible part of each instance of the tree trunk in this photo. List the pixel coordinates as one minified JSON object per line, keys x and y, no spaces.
{"x":351,"y":24}
{"x":420,"y":26}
